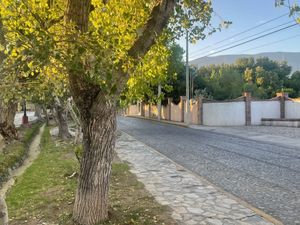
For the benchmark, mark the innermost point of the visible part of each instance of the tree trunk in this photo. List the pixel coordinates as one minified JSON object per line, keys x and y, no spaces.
{"x":46,"y":114}
{"x":98,"y":113}
{"x":3,"y":212}
{"x":99,"y":126}
{"x":75,"y":116}
{"x":7,"y":117}
{"x":38,"y":111}
{"x":63,"y":128}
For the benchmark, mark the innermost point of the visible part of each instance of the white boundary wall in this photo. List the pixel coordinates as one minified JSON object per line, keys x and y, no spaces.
{"x":224,"y":114}
{"x":134,"y":110}
{"x":176,"y":112}
{"x":264,"y":109}
{"x":292,"y":110}
{"x":231,"y":113}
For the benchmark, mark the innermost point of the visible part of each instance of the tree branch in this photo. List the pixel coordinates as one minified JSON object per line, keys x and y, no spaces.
{"x":157,"y":22}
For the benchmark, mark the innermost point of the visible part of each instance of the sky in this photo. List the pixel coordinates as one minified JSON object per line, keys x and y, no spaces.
{"x":245,"y":14}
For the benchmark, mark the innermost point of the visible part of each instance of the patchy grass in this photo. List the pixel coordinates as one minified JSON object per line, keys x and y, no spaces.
{"x":44,"y":193}
{"x":14,"y":153}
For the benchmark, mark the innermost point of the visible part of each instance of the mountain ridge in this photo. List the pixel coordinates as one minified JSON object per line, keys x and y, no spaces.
{"x":292,"y":59}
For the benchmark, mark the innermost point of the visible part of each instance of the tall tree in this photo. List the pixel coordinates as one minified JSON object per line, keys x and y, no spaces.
{"x":294,"y":8}
{"x":176,"y":73}
{"x":100,"y":44}
{"x":8,"y":107}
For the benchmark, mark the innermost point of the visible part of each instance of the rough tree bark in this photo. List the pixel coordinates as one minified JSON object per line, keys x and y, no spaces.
{"x":98,"y":120}
{"x":7,"y":117}
{"x":74,"y":114}
{"x":3,"y":212}
{"x":38,"y":111}
{"x":44,"y":108}
{"x":63,"y":128}
{"x":98,"y":115}
{"x":7,"y":111}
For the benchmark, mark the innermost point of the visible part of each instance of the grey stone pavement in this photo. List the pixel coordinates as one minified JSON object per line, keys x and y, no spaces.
{"x":272,"y":134}
{"x":263,"y":173}
{"x":193,"y":200}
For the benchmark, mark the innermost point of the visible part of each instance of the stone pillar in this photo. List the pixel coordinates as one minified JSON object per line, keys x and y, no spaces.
{"x":142,"y":109}
{"x":150,"y":110}
{"x":182,"y":104}
{"x":138,"y":105}
{"x":159,"y":103}
{"x":159,"y":110}
{"x":282,"y":96}
{"x":170,"y":108}
{"x":200,"y":110}
{"x":247,"y":99}
{"x":25,"y":117}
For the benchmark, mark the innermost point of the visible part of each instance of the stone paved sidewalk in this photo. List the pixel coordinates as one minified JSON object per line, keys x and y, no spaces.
{"x":193,"y":200}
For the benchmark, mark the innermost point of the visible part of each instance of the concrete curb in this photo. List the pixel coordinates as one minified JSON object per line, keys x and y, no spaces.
{"x":160,"y":121}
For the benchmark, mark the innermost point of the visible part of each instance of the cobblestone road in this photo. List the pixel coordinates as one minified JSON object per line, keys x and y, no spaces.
{"x":263,"y":174}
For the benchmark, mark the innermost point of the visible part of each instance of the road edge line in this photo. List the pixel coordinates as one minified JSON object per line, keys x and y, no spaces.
{"x":181,"y":124}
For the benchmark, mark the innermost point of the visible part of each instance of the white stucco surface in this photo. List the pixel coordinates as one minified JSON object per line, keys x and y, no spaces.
{"x":292,"y":110}
{"x":224,"y":114}
{"x":264,"y":109}
{"x":176,"y":112}
{"x":134,"y":110}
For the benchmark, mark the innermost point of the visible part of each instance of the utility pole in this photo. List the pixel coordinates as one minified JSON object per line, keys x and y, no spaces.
{"x":159,"y":103}
{"x":187,"y":76}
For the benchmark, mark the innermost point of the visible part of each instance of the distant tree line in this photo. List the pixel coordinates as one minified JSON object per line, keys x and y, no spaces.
{"x":262,"y":77}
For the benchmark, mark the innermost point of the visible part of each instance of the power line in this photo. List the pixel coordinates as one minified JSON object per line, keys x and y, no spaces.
{"x":247,"y":30}
{"x":272,"y":43}
{"x":245,"y":42}
{"x":253,"y":35}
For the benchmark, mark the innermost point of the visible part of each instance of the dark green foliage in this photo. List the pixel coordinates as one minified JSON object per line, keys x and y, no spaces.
{"x":293,"y":84}
{"x":262,"y":77}
{"x":226,"y":83}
